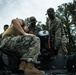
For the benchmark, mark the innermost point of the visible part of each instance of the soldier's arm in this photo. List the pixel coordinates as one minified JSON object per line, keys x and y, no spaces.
{"x":17,"y":24}
{"x":58,"y":35}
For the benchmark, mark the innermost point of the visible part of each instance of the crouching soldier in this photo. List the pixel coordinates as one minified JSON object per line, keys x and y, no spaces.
{"x":26,"y":45}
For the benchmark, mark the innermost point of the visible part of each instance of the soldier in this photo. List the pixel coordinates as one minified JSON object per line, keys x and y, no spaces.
{"x":58,"y":39}
{"x":33,"y":28}
{"x":26,"y":45}
{"x":5,"y":28}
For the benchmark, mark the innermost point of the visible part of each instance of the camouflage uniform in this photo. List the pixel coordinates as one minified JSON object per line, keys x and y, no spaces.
{"x":57,"y":35}
{"x":26,"y":46}
{"x":33,"y":29}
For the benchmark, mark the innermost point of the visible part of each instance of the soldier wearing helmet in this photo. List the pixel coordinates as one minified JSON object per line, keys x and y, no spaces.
{"x":58,"y":39}
{"x":33,"y":28}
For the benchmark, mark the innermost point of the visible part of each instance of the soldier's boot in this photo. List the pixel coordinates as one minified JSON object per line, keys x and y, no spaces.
{"x":31,"y":70}
{"x":22,"y":67}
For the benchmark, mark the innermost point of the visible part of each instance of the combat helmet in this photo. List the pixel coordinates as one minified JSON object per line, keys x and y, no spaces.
{"x":50,"y":11}
{"x":32,"y":19}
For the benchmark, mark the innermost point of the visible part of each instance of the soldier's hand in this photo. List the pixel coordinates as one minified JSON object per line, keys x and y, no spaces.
{"x":26,"y":34}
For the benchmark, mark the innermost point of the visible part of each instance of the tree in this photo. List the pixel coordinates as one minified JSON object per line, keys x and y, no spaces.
{"x":67,"y":13}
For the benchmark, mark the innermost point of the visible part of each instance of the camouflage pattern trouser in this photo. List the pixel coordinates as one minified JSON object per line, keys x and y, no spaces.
{"x":26,"y":46}
{"x":62,"y":49}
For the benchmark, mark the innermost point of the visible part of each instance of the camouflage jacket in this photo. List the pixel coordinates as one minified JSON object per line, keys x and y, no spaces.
{"x":34,"y":31}
{"x":57,"y":33}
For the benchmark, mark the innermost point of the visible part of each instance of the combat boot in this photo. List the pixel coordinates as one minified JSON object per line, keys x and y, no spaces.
{"x":31,"y":70}
{"x":22,"y":67}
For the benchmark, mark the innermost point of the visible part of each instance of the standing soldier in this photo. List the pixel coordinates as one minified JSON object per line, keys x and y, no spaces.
{"x":33,"y":28}
{"x":58,"y":39}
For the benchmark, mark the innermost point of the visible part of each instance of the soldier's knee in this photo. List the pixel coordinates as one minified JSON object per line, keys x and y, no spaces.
{"x":36,"y":38}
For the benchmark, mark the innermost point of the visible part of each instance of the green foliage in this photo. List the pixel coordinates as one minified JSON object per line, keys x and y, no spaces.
{"x":66,"y":12}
